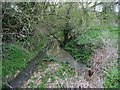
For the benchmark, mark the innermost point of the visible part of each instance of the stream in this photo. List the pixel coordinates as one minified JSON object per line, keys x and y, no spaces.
{"x":59,"y":54}
{"x":55,"y":51}
{"x":27,"y":72}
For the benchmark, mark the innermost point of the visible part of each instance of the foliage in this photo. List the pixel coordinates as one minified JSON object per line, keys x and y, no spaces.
{"x":112,"y":80}
{"x":14,"y":59}
{"x":81,"y":48}
{"x":92,"y":36}
{"x":81,"y":53}
{"x":44,"y":82}
{"x":17,"y":22}
{"x":76,"y":25}
{"x":16,"y":56}
{"x":30,"y":84}
{"x":64,"y":71}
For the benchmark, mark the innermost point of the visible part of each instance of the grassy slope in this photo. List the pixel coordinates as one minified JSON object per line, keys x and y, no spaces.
{"x":112,"y":75}
{"x":14,"y":60}
{"x":15,"y":57}
{"x":112,"y":78}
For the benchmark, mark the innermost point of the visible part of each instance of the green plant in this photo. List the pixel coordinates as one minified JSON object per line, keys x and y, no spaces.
{"x":112,"y":78}
{"x":59,"y":73}
{"x":81,"y":48}
{"x":43,"y":82}
{"x":52,"y":78}
{"x":80,"y":53}
{"x":30,"y":84}
{"x":42,"y":86}
{"x":14,"y":60}
{"x":65,"y":69}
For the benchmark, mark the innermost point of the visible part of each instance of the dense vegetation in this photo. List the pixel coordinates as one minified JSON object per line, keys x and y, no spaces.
{"x":77,"y":27}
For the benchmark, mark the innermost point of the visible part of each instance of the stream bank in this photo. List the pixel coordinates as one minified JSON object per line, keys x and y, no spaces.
{"x":61,"y":56}
{"x":99,"y":59}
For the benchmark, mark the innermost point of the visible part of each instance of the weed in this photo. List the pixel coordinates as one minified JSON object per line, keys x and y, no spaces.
{"x":68,"y":72}
{"x":30,"y":84}
{"x":112,"y":78}
{"x":44,"y":82}
{"x":14,"y":59}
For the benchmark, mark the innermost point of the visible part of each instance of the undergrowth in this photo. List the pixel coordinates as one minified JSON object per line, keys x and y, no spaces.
{"x":112,"y":78}
{"x":82,"y":47}
{"x":64,"y":71}
{"x":16,"y":55}
{"x":14,"y":59}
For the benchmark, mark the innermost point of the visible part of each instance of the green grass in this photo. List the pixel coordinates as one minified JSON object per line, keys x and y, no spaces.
{"x":80,"y":53}
{"x":30,"y":85}
{"x":16,"y":55}
{"x":91,"y":36}
{"x":42,"y":65}
{"x":114,"y":33}
{"x":81,"y":48}
{"x":112,"y":78}
{"x":65,"y":69}
{"x":44,"y":82}
{"x":14,"y":59}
